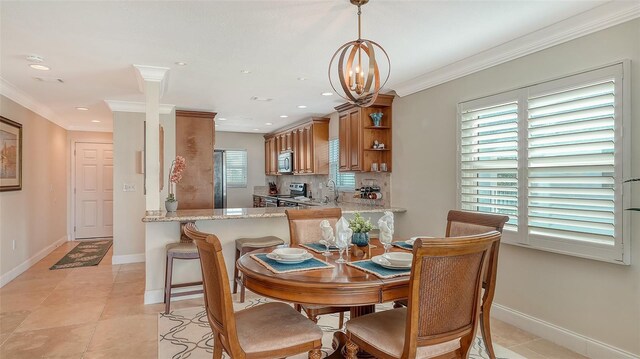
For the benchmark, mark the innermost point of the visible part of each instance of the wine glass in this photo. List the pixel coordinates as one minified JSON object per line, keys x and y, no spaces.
{"x":386,"y":238}
{"x":327,"y":244}
{"x":342,"y":242}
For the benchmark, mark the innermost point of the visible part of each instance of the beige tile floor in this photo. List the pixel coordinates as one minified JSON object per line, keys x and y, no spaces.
{"x":97,"y":312}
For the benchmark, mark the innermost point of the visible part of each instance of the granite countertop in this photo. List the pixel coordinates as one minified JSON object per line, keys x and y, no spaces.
{"x":262,"y":212}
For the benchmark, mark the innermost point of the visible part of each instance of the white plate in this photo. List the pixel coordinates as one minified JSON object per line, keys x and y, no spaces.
{"x":290,"y":253}
{"x":379,"y":260}
{"x":275,"y":257}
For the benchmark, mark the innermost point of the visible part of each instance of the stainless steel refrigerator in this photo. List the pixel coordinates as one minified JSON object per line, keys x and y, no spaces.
{"x":219,"y":179}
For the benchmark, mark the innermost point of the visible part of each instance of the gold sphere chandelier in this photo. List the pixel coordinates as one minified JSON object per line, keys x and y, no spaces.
{"x":357,"y":68}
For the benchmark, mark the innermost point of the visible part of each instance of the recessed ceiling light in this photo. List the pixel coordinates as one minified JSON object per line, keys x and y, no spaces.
{"x":245,"y":71}
{"x":82,"y":109}
{"x":39,"y":67}
{"x":222,"y":119}
{"x":262,"y":99}
{"x":180,"y":63}
{"x":302,"y":78}
{"x":302,"y":106}
{"x":95,"y":121}
{"x":269,"y":124}
{"x":283,"y":116}
{"x":327,"y":94}
{"x":256,"y":129}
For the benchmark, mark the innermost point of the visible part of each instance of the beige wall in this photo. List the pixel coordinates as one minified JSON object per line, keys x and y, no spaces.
{"x":594,"y":299}
{"x":254,"y":144}
{"x":36,"y":216}
{"x":129,"y":207}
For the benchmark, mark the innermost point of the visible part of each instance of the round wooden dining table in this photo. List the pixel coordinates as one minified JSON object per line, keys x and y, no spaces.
{"x":342,"y":285}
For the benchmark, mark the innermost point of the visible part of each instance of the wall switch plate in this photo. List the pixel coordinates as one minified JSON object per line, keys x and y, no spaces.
{"x":129,"y":187}
{"x":13,"y":244}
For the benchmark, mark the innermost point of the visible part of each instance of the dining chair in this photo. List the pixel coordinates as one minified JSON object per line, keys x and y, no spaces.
{"x":460,"y":223}
{"x":442,"y":312}
{"x":304,"y":227}
{"x":271,"y":330}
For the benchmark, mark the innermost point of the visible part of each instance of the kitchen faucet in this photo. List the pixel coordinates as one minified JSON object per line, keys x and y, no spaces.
{"x":335,"y":190}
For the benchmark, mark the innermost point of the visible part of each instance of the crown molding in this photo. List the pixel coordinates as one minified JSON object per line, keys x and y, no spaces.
{"x":141,"y":107}
{"x":90,"y":129}
{"x":158,"y":74}
{"x":599,"y":18}
{"x":10,"y":91}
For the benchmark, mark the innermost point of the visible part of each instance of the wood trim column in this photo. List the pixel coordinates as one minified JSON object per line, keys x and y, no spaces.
{"x":195,"y":141}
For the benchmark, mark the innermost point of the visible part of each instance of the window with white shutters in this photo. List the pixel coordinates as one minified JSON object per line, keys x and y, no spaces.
{"x":236,"y":163}
{"x":489,"y":160}
{"x":571,"y":163}
{"x":345,"y":181}
{"x":551,"y":157}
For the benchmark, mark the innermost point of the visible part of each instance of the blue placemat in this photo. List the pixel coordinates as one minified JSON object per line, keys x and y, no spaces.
{"x":276,"y":267}
{"x":318,"y":248}
{"x":368,"y":266}
{"x":402,"y":245}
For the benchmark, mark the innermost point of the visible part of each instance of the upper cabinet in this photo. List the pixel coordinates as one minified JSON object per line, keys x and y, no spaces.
{"x":365,"y":147}
{"x":309,"y":142}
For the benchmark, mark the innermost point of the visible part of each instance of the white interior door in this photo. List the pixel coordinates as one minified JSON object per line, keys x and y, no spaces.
{"x":94,"y":190}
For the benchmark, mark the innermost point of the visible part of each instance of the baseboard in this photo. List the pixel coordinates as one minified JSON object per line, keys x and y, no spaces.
{"x":579,"y":343}
{"x":128,"y":258}
{"x":157,"y":295}
{"x":21,"y":268}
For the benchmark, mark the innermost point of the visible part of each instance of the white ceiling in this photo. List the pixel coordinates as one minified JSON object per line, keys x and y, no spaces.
{"x":93,"y":45}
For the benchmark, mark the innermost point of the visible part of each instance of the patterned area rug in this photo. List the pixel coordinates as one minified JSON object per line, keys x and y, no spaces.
{"x":86,"y":253}
{"x":186,"y":333}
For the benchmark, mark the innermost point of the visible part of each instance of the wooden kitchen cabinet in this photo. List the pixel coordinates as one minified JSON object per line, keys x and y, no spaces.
{"x":270,"y":157}
{"x":267,"y":154}
{"x":302,"y":149}
{"x":357,"y":136}
{"x":309,"y":142}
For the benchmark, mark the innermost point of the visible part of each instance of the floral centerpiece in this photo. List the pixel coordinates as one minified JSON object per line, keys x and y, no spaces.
{"x":175,"y":176}
{"x":360,"y":228}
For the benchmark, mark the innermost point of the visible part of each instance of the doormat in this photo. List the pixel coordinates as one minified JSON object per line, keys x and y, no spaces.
{"x":85,"y":254}
{"x":185,"y":333}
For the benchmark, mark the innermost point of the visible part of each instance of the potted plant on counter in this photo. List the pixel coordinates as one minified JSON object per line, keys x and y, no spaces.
{"x":175,"y":176}
{"x":360,"y":228}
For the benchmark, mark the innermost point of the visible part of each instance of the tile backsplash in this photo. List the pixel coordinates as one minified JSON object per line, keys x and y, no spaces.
{"x":317,"y":185}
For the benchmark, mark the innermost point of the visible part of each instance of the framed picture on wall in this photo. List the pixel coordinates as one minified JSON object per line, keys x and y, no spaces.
{"x":10,"y":155}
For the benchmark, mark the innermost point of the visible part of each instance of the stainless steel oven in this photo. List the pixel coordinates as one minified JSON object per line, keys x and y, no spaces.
{"x":285,"y":162}
{"x":285,"y":203}
{"x":270,"y":202}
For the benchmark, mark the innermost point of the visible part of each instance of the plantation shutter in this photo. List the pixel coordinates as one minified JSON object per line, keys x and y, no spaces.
{"x":236,"y":163}
{"x":344,"y":180}
{"x":571,"y":175}
{"x":489,"y":160}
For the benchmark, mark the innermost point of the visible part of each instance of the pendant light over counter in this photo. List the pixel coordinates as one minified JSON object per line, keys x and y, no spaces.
{"x":357,"y":68}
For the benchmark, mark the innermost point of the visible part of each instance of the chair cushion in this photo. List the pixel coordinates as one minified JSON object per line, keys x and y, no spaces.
{"x":385,"y":331}
{"x":274,"y":326}
{"x":182,"y":248}
{"x":258,"y":242}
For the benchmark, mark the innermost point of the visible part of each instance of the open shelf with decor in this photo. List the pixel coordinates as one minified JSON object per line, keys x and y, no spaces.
{"x":363,"y":145}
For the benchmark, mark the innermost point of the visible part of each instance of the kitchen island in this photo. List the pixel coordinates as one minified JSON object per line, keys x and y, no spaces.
{"x":228,"y":224}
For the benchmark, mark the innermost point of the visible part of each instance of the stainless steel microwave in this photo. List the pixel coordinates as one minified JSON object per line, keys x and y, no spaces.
{"x":285,"y":162}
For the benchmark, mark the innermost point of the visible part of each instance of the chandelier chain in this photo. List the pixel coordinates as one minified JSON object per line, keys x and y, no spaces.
{"x":359,"y":26}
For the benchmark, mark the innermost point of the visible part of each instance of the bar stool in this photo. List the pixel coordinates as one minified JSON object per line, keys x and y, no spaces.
{"x":182,"y":250}
{"x":244,"y":246}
